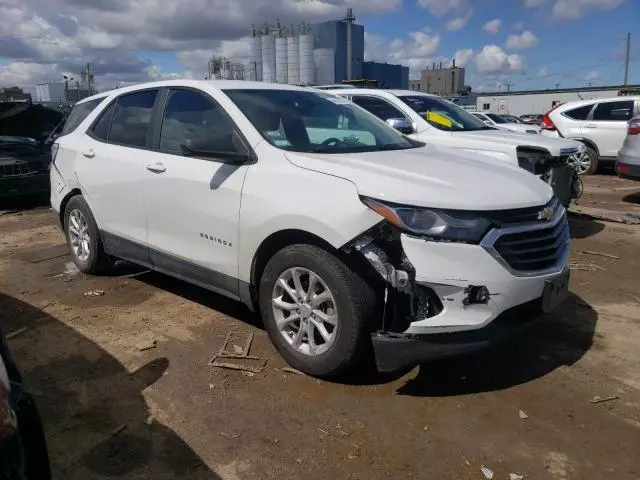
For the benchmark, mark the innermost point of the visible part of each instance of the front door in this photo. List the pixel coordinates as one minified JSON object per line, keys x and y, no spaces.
{"x":192,"y":198}
{"x":608,"y":126}
{"x":109,"y":168}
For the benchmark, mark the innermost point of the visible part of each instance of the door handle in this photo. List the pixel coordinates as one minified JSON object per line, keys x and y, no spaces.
{"x":89,"y":153}
{"x":590,"y":125}
{"x":157,"y":167}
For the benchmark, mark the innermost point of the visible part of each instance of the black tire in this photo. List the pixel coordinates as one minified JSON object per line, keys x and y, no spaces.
{"x":355,"y":301}
{"x":593,"y":156}
{"x":98,"y":261}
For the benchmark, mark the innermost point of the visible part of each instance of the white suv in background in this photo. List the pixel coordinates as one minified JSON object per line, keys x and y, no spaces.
{"x":601,"y":124}
{"x":437,"y":121}
{"x":340,"y":230}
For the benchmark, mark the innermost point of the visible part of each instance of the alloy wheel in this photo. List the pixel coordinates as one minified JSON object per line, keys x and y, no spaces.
{"x":581,"y":162}
{"x":305,"y":311}
{"x":79,"y":235}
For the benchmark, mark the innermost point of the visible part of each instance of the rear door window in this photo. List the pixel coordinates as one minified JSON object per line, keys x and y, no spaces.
{"x":380,"y":108}
{"x":580,"y":113}
{"x":100,"y":130}
{"x":79,"y":112}
{"x":620,"y":111}
{"x":132,"y":118}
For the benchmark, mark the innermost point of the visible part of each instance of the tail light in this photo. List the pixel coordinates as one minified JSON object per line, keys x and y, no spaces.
{"x":634,"y":126}
{"x":547,"y":123}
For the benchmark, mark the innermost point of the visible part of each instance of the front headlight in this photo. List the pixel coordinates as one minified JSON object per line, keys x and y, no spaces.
{"x":451,"y":225}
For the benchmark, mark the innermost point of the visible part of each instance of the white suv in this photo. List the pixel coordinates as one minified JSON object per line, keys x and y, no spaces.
{"x":340,"y":230}
{"x":434,"y":120}
{"x":497,"y":121}
{"x":601,"y":124}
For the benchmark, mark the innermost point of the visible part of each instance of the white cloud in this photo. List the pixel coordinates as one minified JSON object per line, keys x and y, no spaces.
{"x":518,"y":25}
{"x":440,"y":8}
{"x":533,"y":3}
{"x":492,"y":60}
{"x":543,"y":72}
{"x":463,"y":56}
{"x":41,"y":39}
{"x":459,"y":23}
{"x":525,"y":40}
{"x":417,"y":53}
{"x":492,"y":26}
{"x":575,"y":9}
{"x":592,"y":76}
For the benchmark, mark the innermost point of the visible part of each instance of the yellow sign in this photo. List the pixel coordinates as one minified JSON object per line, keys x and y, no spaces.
{"x":439,"y":119}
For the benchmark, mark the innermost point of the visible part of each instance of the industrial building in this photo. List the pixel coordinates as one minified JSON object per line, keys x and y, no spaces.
{"x":313,"y":54}
{"x":440,"y":81}
{"x":14,"y":94}
{"x":51,"y":92}
{"x":541,"y":101}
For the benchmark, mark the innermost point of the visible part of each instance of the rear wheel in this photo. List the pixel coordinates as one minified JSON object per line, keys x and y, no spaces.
{"x":585,"y":163}
{"x":83,"y":237}
{"x":317,"y":311}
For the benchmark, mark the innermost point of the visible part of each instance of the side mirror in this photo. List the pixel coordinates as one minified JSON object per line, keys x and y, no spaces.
{"x":401,"y":124}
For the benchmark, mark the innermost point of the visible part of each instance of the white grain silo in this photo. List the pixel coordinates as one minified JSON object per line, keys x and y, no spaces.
{"x":325,"y":64}
{"x":281,"y":56}
{"x":226,"y":69}
{"x":255,"y":55}
{"x":268,"y":56}
{"x":307,"y":67}
{"x":293,"y":55}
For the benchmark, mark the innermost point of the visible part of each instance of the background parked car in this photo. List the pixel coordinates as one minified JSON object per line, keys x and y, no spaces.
{"x":497,"y":121}
{"x":512,"y":119}
{"x":601,"y":124}
{"x":628,"y":163}
{"x":532,"y":118}
{"x":26,"y":134}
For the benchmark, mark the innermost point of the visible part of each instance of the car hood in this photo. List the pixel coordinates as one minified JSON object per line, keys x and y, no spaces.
{"x":432,"y":177}
{"x":555,"y":146}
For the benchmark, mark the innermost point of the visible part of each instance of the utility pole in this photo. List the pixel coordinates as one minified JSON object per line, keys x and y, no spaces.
{"x":557,"y":85}
{"x":508,"y":85}
{"x":626,"y":60}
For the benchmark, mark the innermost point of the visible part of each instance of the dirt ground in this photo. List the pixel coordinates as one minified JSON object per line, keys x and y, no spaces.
{"x":117,"y":404}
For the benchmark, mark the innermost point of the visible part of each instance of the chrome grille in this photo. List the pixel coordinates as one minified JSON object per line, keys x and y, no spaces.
{"x":535,"y":248}
{"x":16,"y":169}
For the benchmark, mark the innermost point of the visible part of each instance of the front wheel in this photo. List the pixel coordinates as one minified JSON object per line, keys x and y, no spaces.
{"x":317,"y":311}
{"x":585,"y":163}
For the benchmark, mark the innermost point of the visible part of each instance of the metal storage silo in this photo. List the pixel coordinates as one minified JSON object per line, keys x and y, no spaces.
{"x":281,"y":59}
{"x":293,"y":55}
{"x":307,"y":66}
{"x":325,"y":64}
{"x":255,"y":55}
{"x":226,"y":69}
{"x":268,"y":56}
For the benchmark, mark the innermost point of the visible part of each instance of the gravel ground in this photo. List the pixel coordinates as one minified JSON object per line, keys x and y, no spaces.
{"x":124,"y":383}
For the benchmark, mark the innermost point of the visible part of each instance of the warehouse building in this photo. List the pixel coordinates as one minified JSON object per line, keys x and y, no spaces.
{"x":541,"y":101}
{"x":386,"y":74}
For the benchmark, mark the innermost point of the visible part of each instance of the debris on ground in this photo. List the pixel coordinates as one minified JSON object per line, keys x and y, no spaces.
{"x":248,"y":374}
{"x":118,"y":430}
{"x":486,"y":472}
{"x":70,"y":270}
{"x":426,"y":428}
{"x":241,"y":354}
{"x":589,"y":267}
{"x":145,"y":345}
{"x":599,"y":399}
{"x":292,"y":370}
{"x":299,"y":461}
{"x":94,"y":293}
{"x":324,"y":432}
{"x":515,"y":476}
{"x":232,"y":435}
{"x":522,"y":415}
{"x":599,"y":254}
{"x":15,"y":333}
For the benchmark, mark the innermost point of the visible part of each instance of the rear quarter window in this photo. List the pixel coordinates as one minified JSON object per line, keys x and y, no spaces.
{"x":79,"y":112}
{"x":580,"y":113}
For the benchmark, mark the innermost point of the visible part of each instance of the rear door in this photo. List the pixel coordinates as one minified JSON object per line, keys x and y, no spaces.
{"x":110,"y":170}
{"x":193,"y":200}
{"x":607,"y":125}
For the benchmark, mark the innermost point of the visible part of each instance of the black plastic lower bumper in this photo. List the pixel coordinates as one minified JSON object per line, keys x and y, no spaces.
{"x":24,"y":185}
{"x":395,"y":351}
{"x":627,"y":170}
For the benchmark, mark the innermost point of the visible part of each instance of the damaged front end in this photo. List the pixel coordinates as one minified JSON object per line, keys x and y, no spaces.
{"x":393,"y":274}
{"x":558,"y":172}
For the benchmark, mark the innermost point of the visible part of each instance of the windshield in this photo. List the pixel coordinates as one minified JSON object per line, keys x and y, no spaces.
{"x":496,"y":118}
{"x":304,"y":121}
{"x":444,"y":115}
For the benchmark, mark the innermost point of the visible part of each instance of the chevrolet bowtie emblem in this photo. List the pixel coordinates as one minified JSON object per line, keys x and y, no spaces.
{"x":545,"y":214}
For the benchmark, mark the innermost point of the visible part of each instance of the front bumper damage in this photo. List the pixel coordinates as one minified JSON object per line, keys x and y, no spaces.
{"x":443,"y":299}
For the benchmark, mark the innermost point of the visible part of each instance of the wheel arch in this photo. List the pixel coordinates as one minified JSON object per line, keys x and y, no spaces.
{"x":63,"y":204}
{"x":587,"y":142}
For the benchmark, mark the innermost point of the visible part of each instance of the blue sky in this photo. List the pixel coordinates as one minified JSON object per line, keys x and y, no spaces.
{"x":527,"y":43}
